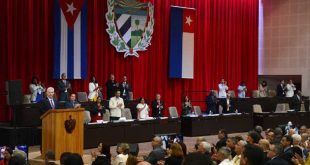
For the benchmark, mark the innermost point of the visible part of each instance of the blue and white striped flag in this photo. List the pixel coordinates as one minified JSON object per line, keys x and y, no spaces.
{"x":70,"y":45}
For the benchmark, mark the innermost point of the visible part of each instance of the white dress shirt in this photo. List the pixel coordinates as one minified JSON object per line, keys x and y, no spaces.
{"x":92,"y":92}
{"x":116,"y":111}
{"x":226,"y":162}
{"x":222,"y":90}
{"x":241,"y":91}
{"x":35,"y":90}
{"x":144,"y":112}
{"x":290,"y":88}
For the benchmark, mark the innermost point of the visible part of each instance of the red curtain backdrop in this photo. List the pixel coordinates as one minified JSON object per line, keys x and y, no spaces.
{"x":226,"y":46}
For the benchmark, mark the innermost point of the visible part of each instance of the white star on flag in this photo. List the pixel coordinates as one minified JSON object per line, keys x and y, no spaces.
{"x":188,"y":20}
{"x":71,"y":8}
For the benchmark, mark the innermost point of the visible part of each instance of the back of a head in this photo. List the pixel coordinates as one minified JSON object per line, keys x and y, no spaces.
{"x":17,"y":160}
{"x":101,"y":160}
{"x":63,"y":157}
{"x":196,"y":158}
{"x":278,"y":132}
{"x":253,"y":154}
{"x":50,"y":155}
{"x":157,"y":141}
{"x":225,"y":151}
{"x":74,"y":159}
{"x":255,"y":136}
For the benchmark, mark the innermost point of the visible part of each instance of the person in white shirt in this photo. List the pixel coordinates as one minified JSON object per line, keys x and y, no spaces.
{"x":94,"y":89}
{"x":143,"y":109}
{"x":242,"y":90}
{"x":223,"y":156}
{"x":123,"y":151}
{"x":238,"y":149}
{"x":116,"y":105}
{"x":36,"y":89}
{"x":223,"y":88}
{"x":290,"y":88}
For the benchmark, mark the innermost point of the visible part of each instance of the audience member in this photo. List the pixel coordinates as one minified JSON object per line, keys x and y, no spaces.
{"x":281,"y":89}
{"x":49,"y":158}
{"x":242,"y":90}
{"x":72,"y":102}
{"x":116,"y":105}
{"x":253,"y":137}
{"x":131,"y":160}
{"x":63,"y":157}
{"x":123,"y":151}
{"x":143,"y":109}
{"x":259,"y":130}
{"x":263,"y":89}
{"x":158,"y":153}
{"x":7,"y":155}
{"x":74,"y":159}
{"x":157,"y":107}
{"x":238,"y":149}
{"x":264,"y":145}
{"x":205,"y":148}
{"x":112,"y":86}
{"x":198,"y":141}
{"x":64,"y":87}
{"x":94,"y":90}
{"x":278,"y":136}
{"x":222,"y":136}
{"x":274,"y":155}
{"x":223,"y":88}
{"x":288,"y":153}
{"x":186,"y":106}
{"x":231,"y":143}
{"x":252,"y":155}
{"x":125,"y":88}
{"x":175,"y":155}
{"x":37,"y":89}
{"x":197,"y":158}
{"x":223,"y":155}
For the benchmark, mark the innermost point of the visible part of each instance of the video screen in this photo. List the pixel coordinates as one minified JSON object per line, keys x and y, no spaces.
{"x":20,"y":148}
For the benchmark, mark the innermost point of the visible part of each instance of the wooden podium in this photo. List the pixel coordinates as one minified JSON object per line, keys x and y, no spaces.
{"x":63,"y":131}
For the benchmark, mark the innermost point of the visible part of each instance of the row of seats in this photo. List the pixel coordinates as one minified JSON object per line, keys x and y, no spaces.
{"x":281,"y":108}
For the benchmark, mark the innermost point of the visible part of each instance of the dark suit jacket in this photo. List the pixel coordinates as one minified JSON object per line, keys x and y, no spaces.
{"x":296,"y":103}
{"x":156,"y":155}
{"x":281,"y":90}
{"x":277,"y":161}
{"x":45,"y":105}
{"x":157,"y":110}
{"x":221,"y":143}
{"x":231,"y":109}
{"x":111,"y":88}
{"x":125,"y":89}
{"x":287,"y":155}
{"x":70,"y":104}
{"x":172,"y":160}
{"x":211,"y":103}
{"x":94,"y":110}
{"x":63,"y":96}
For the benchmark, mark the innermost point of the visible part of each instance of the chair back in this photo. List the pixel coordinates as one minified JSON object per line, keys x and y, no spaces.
{"x":82,"y":96}
{"x":173,"y":113}
{"x":197,"y":110}
{"x":220,"y":109}
{"x":302,"y":107}
{"x":255,"y":93}
{"x":27,"y":99}
{"x":130,"y":95}
{"x":87,"y":117}
{"x":232,"y":93}
{"x":281,"y":108}
{"x":127,"y":114}
{"x":257,"y":108}
{"x":106,"y":115}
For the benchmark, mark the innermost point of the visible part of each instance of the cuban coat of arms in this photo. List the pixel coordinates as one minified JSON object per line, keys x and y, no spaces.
{"x":130,"y":25}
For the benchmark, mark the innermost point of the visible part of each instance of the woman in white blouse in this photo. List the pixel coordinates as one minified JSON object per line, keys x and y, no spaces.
{"x":290,"y":88}
{"x":143,"y":109}
{"x":36,"y":89}
{"x":94,"y":89}
{"x":123,"y":151}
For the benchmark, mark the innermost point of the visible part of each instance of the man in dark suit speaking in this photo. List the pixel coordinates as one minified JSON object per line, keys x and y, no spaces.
{"x":49,"y":102}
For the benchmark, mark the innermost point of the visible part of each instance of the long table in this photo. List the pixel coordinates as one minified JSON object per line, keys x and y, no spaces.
{"x":210,"y":125}
{"x":129,"y":132}
{"x":272,"y":120}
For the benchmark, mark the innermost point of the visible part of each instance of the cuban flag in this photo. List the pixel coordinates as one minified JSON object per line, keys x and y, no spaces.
{"x":182,"y":30}
{"x":70,"y":45}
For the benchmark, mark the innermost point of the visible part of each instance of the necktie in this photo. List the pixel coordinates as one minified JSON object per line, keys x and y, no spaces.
{"x":52,"y":103}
